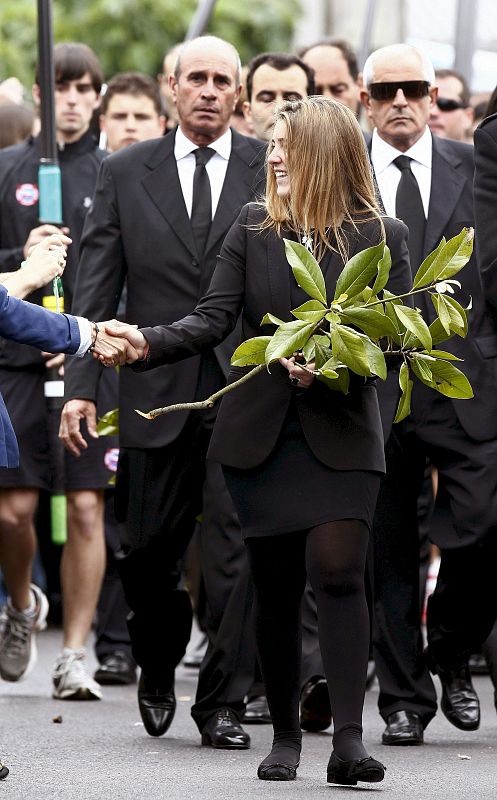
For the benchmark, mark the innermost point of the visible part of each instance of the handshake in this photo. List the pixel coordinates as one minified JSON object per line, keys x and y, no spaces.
{"x":117,"y":343}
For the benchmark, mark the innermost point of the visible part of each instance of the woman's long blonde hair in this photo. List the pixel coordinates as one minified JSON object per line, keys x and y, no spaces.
{"x":331,"y":178}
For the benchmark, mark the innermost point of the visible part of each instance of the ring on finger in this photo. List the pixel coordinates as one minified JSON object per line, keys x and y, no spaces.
{"x":294,"y":380}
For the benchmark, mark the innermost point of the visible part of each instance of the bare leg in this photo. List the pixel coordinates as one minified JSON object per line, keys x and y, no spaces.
{"x":18,"y":542}
{"x":83,"y":564}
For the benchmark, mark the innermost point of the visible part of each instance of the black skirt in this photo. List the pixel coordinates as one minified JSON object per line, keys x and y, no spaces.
{"x":292,"y":490}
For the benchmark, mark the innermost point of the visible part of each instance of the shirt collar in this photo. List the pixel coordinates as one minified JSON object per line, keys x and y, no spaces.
{"x":184,"y":146}
{"x":383,"y":154}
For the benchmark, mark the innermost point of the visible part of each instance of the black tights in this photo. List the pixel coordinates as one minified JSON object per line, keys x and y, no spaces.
{"x":334,"y":557}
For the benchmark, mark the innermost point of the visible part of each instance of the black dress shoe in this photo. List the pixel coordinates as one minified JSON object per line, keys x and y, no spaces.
{"x":459,"y":702}
{"x":348,"y":773}
{"x":315,"y":708}
{"x":116,"y":669}
{"x":224,"y":732}
{"x":257,"y":711}
{"x":157,"y":706}
{"x":403,"y":728}
{"x":3,"y":771}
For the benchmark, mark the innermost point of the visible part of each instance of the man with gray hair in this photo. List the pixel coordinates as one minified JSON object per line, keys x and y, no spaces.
{"x":160,"y":213}
{"x":427,"y":182}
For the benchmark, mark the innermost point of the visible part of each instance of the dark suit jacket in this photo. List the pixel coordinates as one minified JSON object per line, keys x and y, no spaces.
{"x":252,"y":277}
{"x":27,"y":323}
{"x":450,"y":209}
{"x":138,"y":229}
{"x":485,"y":188}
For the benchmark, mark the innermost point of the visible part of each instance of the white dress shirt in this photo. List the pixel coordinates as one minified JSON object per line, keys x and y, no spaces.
{"x":388,"y":175}
{"x":216,"y":166}
{"x":86,"y":335}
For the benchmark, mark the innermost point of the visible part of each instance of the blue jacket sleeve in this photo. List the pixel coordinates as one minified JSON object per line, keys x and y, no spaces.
{"x":30,"y":324}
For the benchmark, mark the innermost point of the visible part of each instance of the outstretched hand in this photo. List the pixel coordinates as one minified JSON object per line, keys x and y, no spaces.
{"x":118,"y":343}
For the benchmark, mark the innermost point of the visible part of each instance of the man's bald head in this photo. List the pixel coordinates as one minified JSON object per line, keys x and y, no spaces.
{"x":208,"y":46}
{"x":205,"y":87}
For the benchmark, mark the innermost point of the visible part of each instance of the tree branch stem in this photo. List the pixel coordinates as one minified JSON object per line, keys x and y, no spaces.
{"x":200,"y":404}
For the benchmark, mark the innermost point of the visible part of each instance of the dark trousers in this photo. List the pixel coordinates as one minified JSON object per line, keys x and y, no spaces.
{"x":227,"y":671}
{"x":111,"y":629}
{"x":158,"y":497}
{"x":468,"y":474}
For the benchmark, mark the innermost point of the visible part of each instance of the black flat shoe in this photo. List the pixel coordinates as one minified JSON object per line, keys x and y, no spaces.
{"x":404,"y":728}
{"x":348,"y":773}
{"x":277,"y":772}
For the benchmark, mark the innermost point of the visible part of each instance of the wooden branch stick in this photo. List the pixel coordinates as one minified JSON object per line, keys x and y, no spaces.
{"x":208,"y":403}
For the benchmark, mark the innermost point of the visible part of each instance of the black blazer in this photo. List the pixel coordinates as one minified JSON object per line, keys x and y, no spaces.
{"x":252,"y":277}
{"x":450,"y":209}
{"x":138,"y":229}
{"x":485,"y":188}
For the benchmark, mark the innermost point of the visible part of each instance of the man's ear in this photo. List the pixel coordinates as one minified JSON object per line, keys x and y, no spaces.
{"x":173,"y":85}
{"x":366,"y":100}
{"x":433,"y":95}
{"x":247,"y":111}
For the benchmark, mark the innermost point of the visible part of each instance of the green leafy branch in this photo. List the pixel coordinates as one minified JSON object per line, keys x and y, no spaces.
{"x":364,"y":325}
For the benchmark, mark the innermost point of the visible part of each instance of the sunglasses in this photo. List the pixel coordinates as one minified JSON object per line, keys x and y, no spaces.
{"x":413,"y":90}
{"x":444,"y":104}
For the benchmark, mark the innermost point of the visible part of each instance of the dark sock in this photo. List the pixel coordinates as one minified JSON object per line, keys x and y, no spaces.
{"x":347,"y":743}
{"x":285,"y":750}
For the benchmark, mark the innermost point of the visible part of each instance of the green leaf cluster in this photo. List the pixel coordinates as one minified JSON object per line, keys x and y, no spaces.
{"x":364,"y":324}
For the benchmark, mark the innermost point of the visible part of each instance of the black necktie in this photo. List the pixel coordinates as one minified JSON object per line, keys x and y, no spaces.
{"x":202,"y":201}
{"x":409,"y":208}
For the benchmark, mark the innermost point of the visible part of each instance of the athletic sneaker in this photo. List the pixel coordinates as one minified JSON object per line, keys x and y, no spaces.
{"x":17,"y":644}
{"x":71,"y":680}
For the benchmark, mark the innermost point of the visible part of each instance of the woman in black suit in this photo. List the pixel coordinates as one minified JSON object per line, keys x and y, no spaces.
{"x":302,"y":463}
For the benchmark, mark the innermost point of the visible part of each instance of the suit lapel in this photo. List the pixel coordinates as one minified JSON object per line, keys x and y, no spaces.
{"x":164,"y":189}
{"x":278,"y":272}
{"x":447,"y":185}
{"x":237,"y":188}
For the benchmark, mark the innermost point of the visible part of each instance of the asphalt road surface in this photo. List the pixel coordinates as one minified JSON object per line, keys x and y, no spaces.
{"x":100,"y":751}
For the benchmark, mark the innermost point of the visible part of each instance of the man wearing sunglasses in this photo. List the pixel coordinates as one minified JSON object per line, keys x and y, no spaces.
{"x":427,"y":182}
{"x":452,"y":115}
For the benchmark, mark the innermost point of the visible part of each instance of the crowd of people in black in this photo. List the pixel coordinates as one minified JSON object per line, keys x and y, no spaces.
{"x":296,"y":522}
